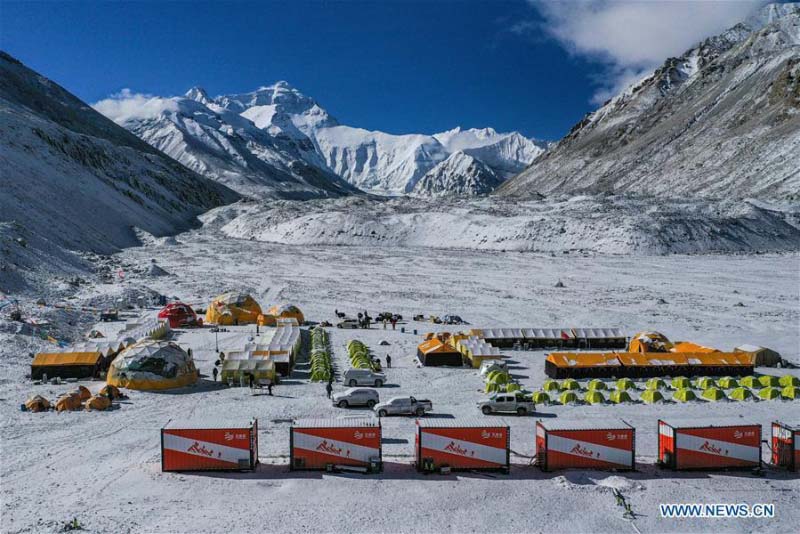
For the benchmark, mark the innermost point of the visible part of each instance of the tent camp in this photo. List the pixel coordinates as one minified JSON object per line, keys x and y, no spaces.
{"x":179,"y":315}
{"x":599,"y":338}
{"x":741,"y":394}
{"x":436,"y":352}
{"x":475,"y":350}
{"x":152,"y":365}
{"x":233,"y":309}
{"x":582,"y":365}
{"x":238,"y":372}
{"x":287,"y":311}
{"x":67,"y":365}
{"x":762,"y":356}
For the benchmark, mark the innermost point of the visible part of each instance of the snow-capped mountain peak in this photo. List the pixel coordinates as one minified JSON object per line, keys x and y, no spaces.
{"x":459,"y":175}
{"x":198,"y":94}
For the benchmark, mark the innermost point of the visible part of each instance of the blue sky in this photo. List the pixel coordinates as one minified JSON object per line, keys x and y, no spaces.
{"x":397,"y":66}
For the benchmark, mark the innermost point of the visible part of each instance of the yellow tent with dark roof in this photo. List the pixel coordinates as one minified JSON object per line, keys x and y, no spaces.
{"x":287,"y":311}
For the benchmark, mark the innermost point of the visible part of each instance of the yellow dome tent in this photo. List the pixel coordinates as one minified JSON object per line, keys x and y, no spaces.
{"x":704,"y":382}
{"x":790,"y":392}
{"x":652,"y":395}
{"x":69,"y":402}
{"x":37,"y":404}
{"x":741,"y":394}
{"x":568,"y":397}
{"x":232,"y":309}
{"x":713,"y":394}
{"x":684,"y":395}
{"x":594,"y":397}
{"x":769,"y":381}
{"x":789,"y":380}
{"x":287,"y":311}
{"x":152,"y":365}
{"x":650,"y":342}
{"x":551,"y":385}
{"x":727,"y":382}
{"x":625,"y":383}
{"x":570,"y":385}
{"x":540,"y":397}
{"x":97,"y":403}
{"x":750,"y":382}
{"x":656,"y":384}
{"x":620,"y":396}
{"x":597,"y":385}
{"x":769,"y":393}
{"x":681,"y":382}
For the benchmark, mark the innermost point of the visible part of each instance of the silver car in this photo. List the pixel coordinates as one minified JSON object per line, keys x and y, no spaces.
{"x":364,"y":377}
{"x":356,"y":397}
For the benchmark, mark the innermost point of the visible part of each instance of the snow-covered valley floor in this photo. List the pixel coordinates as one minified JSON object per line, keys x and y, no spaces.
{"x":104,"y":467}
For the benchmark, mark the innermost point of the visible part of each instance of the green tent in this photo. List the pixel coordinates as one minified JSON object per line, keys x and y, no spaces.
{"x":540,"y":397}
{"x":652,"y":395}
{"x":684,"y":395}
{"x":790,"y":392}
{"x":741,"y":394}
{"x":769,"y":381}
{"x":551,"y":385}
{"x":656,"y":383}
{"x":789,"y":380}
{"x":568,"y":397}
{"x":681,"y":382}
{"x":727,"y":382}
{"x":713,"y":394}
{"x":570,"y":385}
{"x":750,"y":382}
{"x":499,"y":378}
{"x":597,"y":385}
{"x":704,"y":382}
{"x":594,"y":397}
{"x":513,"y":386}
{"x":769,"y":393}
{"x":619,"y":397}
{"x":492,"y":387}
{"x":625,"y":383}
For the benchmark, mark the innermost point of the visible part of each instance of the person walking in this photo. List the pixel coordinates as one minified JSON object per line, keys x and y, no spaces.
{"x":329,"y":389}
{"x":394,"y":323}
{"x":215,"y":372}
{"x":388,"y":362}
{"x":269,"y":388}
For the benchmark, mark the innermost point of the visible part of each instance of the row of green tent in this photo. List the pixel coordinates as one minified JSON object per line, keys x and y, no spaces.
{"x":321,"y":363}
{"x":359,"y":355}
{"x":650,"y":396}
{"x":678,"y":383}
{"x":501,"y":382}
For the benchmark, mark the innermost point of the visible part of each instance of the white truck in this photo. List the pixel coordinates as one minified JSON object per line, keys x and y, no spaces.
{"x":403,"y":406}
{"x":507,"y":403}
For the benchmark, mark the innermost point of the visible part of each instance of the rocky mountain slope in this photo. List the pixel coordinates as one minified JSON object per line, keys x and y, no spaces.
{"x":722,"y":120}
{"x":459,"y":175}
{"x":225,"y":146}
{"x":72,"y":179}
{"x":592,"y":224}
{"x":300,"y":145}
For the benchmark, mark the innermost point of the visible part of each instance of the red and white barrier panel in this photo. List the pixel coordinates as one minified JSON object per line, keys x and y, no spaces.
{"x":317,"y":443}
{"x":209,"y":446}
{"x":686,"y":446}
{"x":786,"y":446}
{"x":603,"y":445}
{"x":465,"y":444}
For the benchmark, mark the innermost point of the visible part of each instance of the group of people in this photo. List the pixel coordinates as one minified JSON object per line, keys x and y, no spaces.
{"x":251,"y":379}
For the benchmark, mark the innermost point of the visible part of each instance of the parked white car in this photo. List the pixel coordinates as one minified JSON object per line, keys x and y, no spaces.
{"x":364,"y":377}
{"x":356,"y":397}
{"x":403,"y":406}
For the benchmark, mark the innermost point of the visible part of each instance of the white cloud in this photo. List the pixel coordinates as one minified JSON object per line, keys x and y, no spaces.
{"x":634,"y":37}
{"x":127,"y":105}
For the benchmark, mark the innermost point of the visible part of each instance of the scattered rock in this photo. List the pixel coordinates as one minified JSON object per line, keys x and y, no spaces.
{"x":155,"y":270}
{"x":559,"y":284}
{"x":739,"y":305}
{"x":661,"y":301}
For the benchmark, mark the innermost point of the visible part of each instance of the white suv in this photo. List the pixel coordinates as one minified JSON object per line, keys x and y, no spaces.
{"x":364,"y":377}
{"x":356,"y":397}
